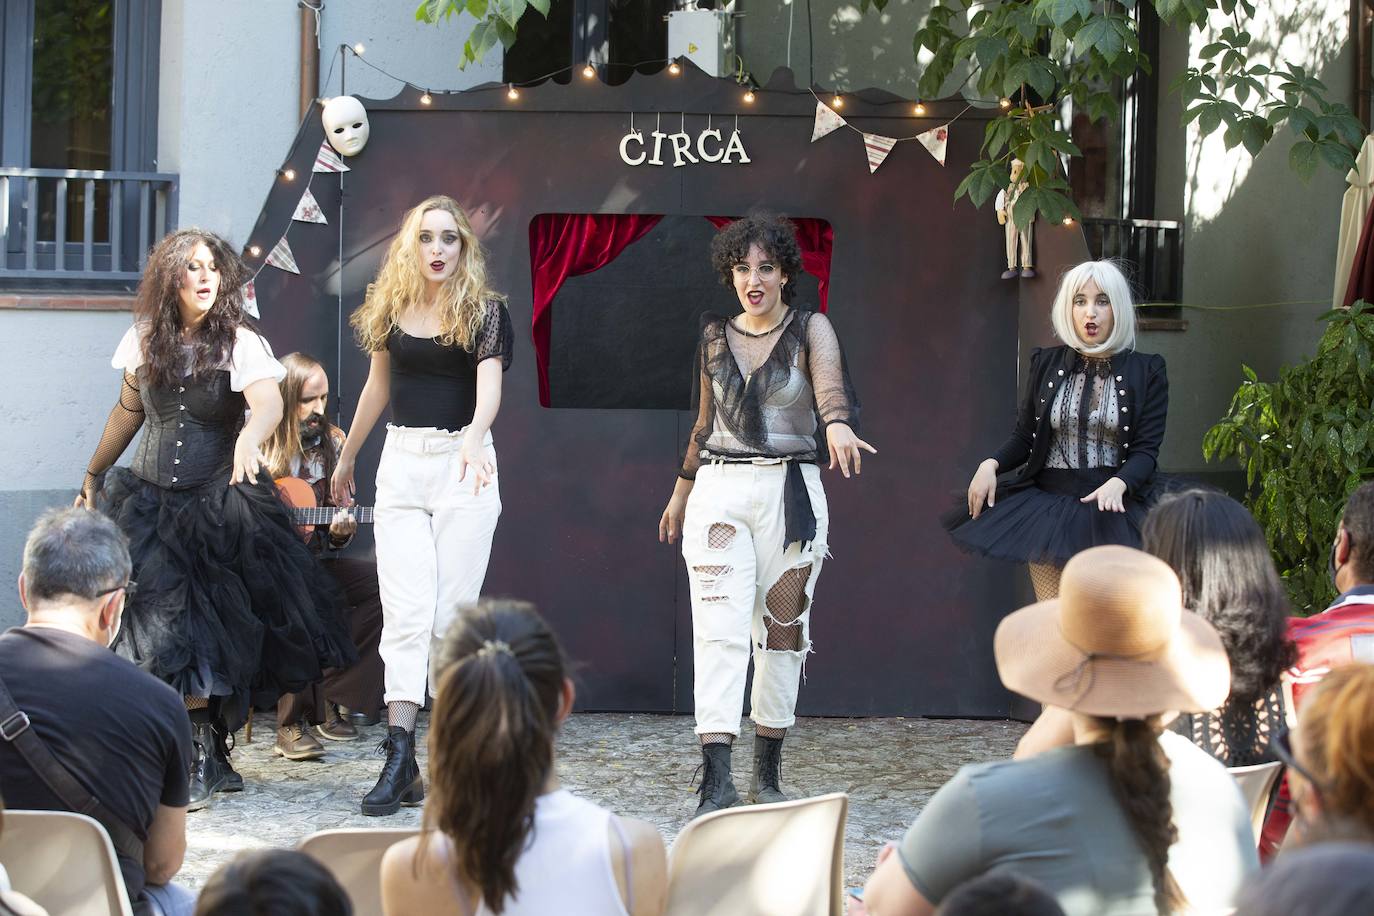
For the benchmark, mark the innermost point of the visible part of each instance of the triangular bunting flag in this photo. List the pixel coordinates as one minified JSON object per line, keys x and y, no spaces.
{"x":308,"y":210}
{"x":935,"y":141}
{"x":282,"y":258}
{"x":326,"y":160}
{"x":250,"y":300}
{"x":877,"y":147}
{"x":826,"y":121}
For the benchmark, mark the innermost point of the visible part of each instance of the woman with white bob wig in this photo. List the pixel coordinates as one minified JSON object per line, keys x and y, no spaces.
{"x":1078,"y":469}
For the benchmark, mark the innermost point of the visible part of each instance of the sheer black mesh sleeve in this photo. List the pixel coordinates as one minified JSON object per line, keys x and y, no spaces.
{"x":702,"y":404}
{"x":125,"y":420}
{"x":836,"y":399}
{"x":496,"y":338}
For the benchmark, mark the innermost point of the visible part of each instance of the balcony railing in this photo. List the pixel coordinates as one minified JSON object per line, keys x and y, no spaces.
{"x":68,"y":224}
{"x":1151,"y":249}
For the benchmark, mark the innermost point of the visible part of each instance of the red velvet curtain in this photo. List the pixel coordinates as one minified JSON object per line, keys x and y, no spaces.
{"x":1361,"y":283}
{"x":564,"y":245}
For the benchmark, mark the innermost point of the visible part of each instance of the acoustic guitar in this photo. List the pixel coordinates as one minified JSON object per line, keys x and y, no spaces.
{"x":306,"y":511}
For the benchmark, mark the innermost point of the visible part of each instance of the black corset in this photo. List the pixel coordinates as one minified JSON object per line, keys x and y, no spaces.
{"x":189,"y":430}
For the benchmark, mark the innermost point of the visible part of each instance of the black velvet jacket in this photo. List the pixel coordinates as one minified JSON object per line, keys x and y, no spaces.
{"x":1143,"y":395}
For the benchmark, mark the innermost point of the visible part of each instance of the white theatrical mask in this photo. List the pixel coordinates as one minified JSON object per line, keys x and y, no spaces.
{"x":345,"y":125}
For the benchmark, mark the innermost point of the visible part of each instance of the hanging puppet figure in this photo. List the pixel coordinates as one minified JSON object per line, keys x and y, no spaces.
{"x":345,"y":125}
{"x":1016,"y":236}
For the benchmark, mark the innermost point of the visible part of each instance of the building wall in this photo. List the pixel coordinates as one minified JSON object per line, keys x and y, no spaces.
{"x":1259,"y":243}
{"x":228,"y":112}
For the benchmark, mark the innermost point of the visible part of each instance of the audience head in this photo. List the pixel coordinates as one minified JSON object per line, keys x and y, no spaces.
{"x":1332,"y":879}
{"x":273,"y":882}
{"x":1223,"y":562}
{"x":1098,"y":278}
{"x":1118,"y":649}
{"x":1334,"y":751}
{"x":502,"y":693}
{"x":1352,"y":554}
{"x":76,"y":564}
{"x":1002,"y":893}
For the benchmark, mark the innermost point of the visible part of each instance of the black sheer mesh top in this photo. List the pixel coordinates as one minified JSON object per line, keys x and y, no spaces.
{"x":433,"y":385}
{"x":1238,"y":734}
{"x":768,"y":395}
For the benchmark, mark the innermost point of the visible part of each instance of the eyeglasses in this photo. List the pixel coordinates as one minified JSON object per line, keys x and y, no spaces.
{"x":1282,"y":746}
{"x":765,"y":272}
{"x":130,"y":589}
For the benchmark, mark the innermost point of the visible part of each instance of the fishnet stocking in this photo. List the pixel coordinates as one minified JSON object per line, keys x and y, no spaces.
{"x":717,"y":738}
{"x":786,"y":601}
{"x":125,"y":420}
{"x":767,"y":732}
{"x":720,"y":536}
{"x":1045,"y":580}
{"x":197,"y":702}
{"x":402,"y":713}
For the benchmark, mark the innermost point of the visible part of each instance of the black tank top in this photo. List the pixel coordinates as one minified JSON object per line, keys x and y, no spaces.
{"x":436,"y":385}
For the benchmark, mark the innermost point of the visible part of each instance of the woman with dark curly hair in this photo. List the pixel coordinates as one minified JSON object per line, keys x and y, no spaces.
{"x":231,"y":605}
{"x":1219,"y":553}
{"x":749,"y":504}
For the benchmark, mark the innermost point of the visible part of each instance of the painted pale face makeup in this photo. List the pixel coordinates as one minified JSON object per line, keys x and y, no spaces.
{"x":440,"y":245}
{"x":758,"y":283}
{"x":1092,"y":314}
{"x":314,"y":395}
{"x":199,"y":284}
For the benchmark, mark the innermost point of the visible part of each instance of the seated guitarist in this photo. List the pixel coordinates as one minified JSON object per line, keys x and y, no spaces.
{"x":305,"y":445}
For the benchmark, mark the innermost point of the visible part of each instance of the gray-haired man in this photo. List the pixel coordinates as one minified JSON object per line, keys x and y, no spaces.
{"x":82,"y":728}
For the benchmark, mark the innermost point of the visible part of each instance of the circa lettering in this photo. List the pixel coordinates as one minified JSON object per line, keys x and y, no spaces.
{"x":710,"y":147}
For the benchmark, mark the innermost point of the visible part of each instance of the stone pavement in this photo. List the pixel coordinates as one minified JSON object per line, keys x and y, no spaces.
{"x":636,"y":765}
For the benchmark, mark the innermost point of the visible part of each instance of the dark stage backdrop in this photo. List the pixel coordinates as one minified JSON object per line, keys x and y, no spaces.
{"x":902,"y":621}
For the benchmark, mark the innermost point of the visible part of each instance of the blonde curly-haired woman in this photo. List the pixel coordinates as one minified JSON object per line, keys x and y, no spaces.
{"x":439,"y":340}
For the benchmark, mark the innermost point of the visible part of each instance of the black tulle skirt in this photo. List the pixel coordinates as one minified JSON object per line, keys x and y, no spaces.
{"x":1044,"y":522}
{"x":230,"y":601}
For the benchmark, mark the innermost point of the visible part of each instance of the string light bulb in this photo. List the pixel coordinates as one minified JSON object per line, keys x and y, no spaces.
{"x":674,"y":68}
{"x":511,"y":92}
{"x":254,"y":250}
{"x":426,"y":99}
{"x":588,"y":70}
{"x":920,"y":110}
{"x":289,"y":174}
{"x":838,"y":102}
{"x":1068,"y":221}
{"x":359,"y":48}
{"x":1005,"y":103}
{"x":749,"y":96}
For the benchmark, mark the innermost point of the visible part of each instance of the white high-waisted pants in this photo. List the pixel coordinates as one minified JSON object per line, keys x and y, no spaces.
{"x":729,"y":587}
{"x":433,"y":543}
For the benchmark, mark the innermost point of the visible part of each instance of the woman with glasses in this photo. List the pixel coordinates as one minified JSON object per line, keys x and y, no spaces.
{"x":231,"y":605}
{"x":1330,"y":759}
{"x":772,"y":399}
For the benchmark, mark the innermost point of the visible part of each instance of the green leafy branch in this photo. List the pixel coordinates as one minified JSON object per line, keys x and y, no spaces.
{"x":496,"y":21}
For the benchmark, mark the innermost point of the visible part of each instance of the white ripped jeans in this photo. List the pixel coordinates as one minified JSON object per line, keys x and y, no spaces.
{"x":433,"y":544}
{"x":743,"y":582}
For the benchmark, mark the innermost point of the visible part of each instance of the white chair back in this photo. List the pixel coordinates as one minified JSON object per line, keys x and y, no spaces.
{"x":64,"y":862}
{"x":1257,"y":785}
{"x":767,"y":860}
{"x":354,"y":857}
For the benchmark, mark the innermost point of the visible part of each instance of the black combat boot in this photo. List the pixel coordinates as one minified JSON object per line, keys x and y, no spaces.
{"x":233,"y":782}
{"x":717,"y":789}
{"x":207,"y":776}
{"x":400,"y":782}
{"x":765,"y":785}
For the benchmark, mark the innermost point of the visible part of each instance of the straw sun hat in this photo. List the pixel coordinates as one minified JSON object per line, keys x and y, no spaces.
{"x":1116,"y":642}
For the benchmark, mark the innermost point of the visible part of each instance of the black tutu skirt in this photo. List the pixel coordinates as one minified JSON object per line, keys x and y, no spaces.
{"x":1044,"y":522}
{"x":230,"y":601}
